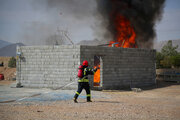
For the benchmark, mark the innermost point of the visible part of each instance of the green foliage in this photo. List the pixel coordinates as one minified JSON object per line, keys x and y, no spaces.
{"x":168,"y":56}
{"x":159,"y":58}
{"x":12,"y":62}
{"x":167,"y":62}
{"x":176,"y":60}
{"x":169,"y":50}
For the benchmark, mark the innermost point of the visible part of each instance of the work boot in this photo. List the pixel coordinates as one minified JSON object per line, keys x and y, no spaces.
{"x":75,"y":100}
{"x":89,"y":100}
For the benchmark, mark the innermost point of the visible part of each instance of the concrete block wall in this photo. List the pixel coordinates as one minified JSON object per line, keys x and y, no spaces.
{"x":48,"y":66}
{"x":56,"y":66}
{"x":122,"y":67}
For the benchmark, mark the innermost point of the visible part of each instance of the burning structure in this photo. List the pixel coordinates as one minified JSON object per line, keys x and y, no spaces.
{"x":57,"y":66}
{"x":126,"y":24}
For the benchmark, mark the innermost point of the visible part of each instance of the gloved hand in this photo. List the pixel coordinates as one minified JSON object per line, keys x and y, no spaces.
{"x":98,"y":68}
{"x":95,"y":69}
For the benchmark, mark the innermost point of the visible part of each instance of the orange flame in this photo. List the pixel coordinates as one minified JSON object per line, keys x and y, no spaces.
{"x":97,"y":76}
{"x":125,"y":37}
{"x":125,"y":34}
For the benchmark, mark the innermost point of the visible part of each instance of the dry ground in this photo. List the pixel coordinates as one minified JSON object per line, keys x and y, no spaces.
{"x":162,"y":103}
{"x":8,"y":73}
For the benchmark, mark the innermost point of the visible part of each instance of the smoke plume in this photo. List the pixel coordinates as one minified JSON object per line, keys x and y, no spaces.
{"x":142,"y":15}
{"x":39,"y":22}
{"x":49,"y":18}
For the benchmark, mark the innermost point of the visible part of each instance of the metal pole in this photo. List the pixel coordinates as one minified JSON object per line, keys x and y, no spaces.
{"x":18,"y":54}
{"x":69,"y":38}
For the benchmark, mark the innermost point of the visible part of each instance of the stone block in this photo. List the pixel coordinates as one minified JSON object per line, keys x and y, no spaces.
{"x":58,"y":64}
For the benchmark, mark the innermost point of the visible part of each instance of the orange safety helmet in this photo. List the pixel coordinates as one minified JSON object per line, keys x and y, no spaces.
{"x":85,"y":63}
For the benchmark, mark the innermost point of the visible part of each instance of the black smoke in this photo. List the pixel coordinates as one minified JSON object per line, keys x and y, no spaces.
{"x":142,"y":14}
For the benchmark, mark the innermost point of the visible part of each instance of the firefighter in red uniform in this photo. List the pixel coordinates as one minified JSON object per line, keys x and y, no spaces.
{"x":83,"y":83}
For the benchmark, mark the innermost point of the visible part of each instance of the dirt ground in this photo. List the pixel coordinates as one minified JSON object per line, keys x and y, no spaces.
{"x":9,"y":73}
{"x":5,"y":60}
{"x":161,"y":103}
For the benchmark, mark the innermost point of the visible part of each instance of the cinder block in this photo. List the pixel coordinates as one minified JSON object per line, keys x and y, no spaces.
{"x":58,"y":64}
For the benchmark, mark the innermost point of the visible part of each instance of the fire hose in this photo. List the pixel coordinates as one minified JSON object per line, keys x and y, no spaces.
{"x":64,"y":85}
{"x":34,"y":95}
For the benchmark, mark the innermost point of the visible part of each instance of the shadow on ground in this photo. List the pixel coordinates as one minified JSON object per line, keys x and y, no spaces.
{"x":159,"y":84}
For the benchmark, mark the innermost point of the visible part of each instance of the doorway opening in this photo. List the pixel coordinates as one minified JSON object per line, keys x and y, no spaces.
{"x":97,"y":78}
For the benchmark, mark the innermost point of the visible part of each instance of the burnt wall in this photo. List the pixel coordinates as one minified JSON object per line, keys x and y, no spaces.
{"x":122,"y":67}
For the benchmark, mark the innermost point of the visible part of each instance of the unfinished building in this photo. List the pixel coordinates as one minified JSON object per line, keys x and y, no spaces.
{"x":57,"y":66}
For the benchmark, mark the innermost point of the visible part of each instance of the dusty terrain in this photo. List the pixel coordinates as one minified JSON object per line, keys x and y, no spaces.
{"x":162,"y":103}
{"x":9,"y":73}
{"x":5,"y":60}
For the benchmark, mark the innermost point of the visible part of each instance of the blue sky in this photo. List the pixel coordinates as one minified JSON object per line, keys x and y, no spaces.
{"x":17,"y":17}
{"x":169,"y":27}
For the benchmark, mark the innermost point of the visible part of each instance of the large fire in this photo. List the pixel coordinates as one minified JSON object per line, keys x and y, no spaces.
{"x":125,"y":37}
{"x":125,"y":34}
{"x":97,"y":76}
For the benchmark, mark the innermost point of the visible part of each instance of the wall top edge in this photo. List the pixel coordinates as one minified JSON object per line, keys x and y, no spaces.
{"x":106,"y":47}
{"x":87,"y":46}
{"x":47,"y":45}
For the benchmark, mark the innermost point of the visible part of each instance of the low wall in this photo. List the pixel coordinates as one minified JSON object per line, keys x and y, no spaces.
{"x":123,"y":67}
{"x":57,"y":66}
{"x":48,"y":66}
{"x":172,"y":74}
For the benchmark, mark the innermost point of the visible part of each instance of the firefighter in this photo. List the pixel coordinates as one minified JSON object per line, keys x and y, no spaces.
{"x":83,"y":83}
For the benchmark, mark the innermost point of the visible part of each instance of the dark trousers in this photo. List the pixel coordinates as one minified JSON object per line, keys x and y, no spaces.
{"x":81,"y":86}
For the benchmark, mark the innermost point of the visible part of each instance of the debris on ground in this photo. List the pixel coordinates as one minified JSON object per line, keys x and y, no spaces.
{"x":136,"y":89}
